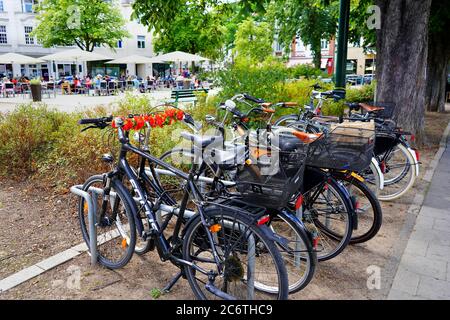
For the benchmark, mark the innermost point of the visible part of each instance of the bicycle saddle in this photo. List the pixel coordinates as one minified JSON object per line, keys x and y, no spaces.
{"x":200,"y":140}
{"x":370,"y":108}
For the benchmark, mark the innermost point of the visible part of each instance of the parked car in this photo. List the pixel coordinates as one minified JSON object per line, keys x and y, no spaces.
{"x":368,"y":78}
{"x":354,"y":79}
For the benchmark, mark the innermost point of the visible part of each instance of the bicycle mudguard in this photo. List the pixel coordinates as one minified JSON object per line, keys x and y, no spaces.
{"x":348,"y":199}
{"x":379,"y":172}
{"x":416,"y":162}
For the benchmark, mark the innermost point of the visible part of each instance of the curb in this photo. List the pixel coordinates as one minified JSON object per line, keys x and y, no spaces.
{"x":392,"y":265}
{"x":41,"y":267}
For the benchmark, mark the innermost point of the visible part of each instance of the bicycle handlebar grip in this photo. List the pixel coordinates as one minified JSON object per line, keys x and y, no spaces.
{"x":95,"y":120}
{"x":238,"y":113}
{"x":253,"y":99}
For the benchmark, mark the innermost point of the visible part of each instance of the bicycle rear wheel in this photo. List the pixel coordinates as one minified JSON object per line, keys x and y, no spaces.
{"x":250,"y":265}
{"x":298,"y":253}
{"x":400,"y":173}
{"x":368,"y":209}
{"x":328,"y":212}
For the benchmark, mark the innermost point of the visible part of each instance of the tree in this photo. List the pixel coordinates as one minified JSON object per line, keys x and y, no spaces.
{"x":312,"y":20}
{"x":402,"y":53}
{"x":438,"y":55}
{"x":253,"y":41}
{"x":84,"y":23}
{"x":193,"y":31}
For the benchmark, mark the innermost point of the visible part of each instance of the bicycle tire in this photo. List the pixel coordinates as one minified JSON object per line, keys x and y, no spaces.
{"x":376,"y":209}
{"x":190,"y":235}
{"x":124,"y":196}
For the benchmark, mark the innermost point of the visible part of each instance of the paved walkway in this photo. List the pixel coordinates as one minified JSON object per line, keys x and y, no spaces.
{"x":424,"y":270}
{"x":69,"y":103}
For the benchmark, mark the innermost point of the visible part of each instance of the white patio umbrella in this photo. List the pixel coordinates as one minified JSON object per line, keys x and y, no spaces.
{"x":137,"y":59}
{"x":15,"y":58}
{"x":180,"y":56}
{"x":75,"y":55}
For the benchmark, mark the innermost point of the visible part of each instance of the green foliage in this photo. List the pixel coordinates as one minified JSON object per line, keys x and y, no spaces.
{"x":155,"y":293}
{"x":312,"y":20}
{"x":361,"y":94}
{"x":84,"y":23}
{"x":35,"y":81}
{"x":264,"y":81}
{"x":253,"y":42}
{"x":26,"y":135}
{"x":193,"y":30}
{"x":307,"y":71}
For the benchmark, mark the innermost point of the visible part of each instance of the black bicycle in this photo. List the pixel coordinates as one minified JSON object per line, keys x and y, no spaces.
{"x":223,"y":250}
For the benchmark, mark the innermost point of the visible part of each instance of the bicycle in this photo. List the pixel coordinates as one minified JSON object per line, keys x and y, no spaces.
{"x":331,"y":194}
{"x":217,"y":250}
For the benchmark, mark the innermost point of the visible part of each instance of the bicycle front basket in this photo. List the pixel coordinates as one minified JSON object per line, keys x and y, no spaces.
{"x":273,"y":177}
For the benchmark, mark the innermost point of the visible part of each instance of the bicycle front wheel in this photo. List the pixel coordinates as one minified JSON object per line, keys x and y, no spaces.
{"x":249,"y":265}
{"x":115,"y":226}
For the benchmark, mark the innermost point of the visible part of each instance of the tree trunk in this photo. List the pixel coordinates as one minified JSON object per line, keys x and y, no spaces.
{"x":317,"y":54}
{"x":402,"y":52}
{"x":436,"y":74}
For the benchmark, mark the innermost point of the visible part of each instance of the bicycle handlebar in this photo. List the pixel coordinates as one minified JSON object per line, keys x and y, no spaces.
{"x":252,"y":98}
{"x":97,"y":121}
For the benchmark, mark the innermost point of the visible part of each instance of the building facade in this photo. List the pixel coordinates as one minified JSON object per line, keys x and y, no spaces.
{"x":17,"y":20}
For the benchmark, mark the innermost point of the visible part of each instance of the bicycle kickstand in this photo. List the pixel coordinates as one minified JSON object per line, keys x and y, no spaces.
{"x":172,"y":282}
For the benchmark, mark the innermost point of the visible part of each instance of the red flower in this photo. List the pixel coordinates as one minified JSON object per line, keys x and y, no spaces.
{"x":180,"y":115}
{"x":152,"y":121}
{"x":139,"y":123}
{"x":159,"y":120}
{"x":170,"y":112}
{"x":128,"y":125}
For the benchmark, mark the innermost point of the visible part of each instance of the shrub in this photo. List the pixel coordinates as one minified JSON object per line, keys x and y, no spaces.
{"x":26,"y":136}
{"x":262,"y":81}
{"x":307,"y":71}
{"x":361,"y":94}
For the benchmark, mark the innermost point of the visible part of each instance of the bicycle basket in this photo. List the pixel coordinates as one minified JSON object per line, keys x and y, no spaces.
{"x":348,"y":146}
{"x":274,"y":175}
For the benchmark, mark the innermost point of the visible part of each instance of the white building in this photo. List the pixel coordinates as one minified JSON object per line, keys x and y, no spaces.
{"x":17,"y":20}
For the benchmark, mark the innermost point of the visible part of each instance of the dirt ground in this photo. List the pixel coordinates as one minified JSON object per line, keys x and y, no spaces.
{"x":35,"y":225}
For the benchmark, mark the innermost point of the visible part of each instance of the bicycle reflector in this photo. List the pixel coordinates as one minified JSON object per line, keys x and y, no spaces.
{"x":299,"y":202}
{"x":383,"y":167}
{"x":263,"y":220}
{"x":417,"y":154}
{"x":124,"y":243}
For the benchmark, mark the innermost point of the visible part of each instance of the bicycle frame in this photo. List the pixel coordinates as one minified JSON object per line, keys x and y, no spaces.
{"x":164,"y":247}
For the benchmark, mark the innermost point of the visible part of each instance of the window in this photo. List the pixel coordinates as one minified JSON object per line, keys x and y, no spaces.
{"x":119,"y":44}
{"x":27,"y":5}
{"x":1,"y":6}
{"x":3,"y":36}
{"x":141,"y":42}
{"x":29,"y":39}
{"x":324,"y":44}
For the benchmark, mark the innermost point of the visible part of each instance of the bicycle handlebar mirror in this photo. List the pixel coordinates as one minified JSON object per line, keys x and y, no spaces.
{"x":230,"y":105}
